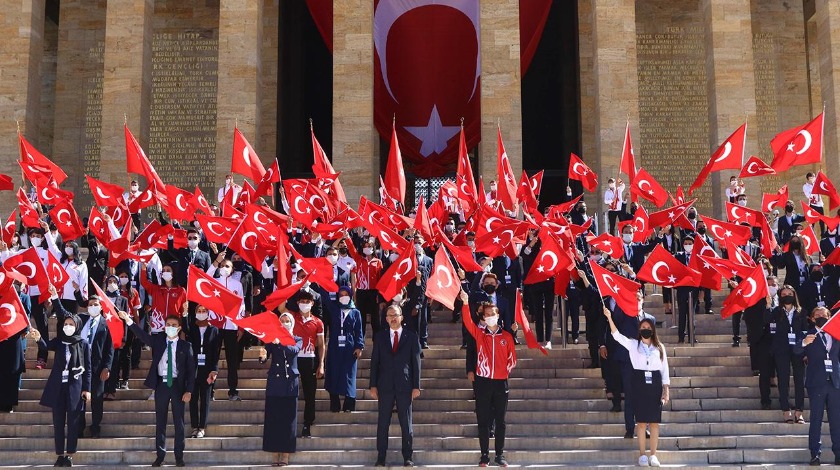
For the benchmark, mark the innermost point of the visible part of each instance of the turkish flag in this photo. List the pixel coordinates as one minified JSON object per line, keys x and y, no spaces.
{"x":397,"y":276}
{"x":245,"y":196}
{"x":394,"y":172}
{"x":522,"y":320}
{"x":105,"y":194}
{"x":9,"y":228}
{"x":628,"y":157}
{"x":809,"y":240}
{"x":282,"y":294}
{"x":728,"y":156}
{"x":245,"y":160}
{"x":422,"y":224}
{"x":67,"y":221}
{"x":737,"y":214}
{"x":551,"y":260}
{"x":109,"y":313}
{"x":443,"y":284}
{"x":6,"y":183}
{"x":319,"y":270}
{"x":709,"y":278}
{"x":28,"y":213}
{"x":647,"y":187}
{"x":525,"y":192}
{"x":823,"y":185}
{"x":246,"y":242}
{"x":323,"y":169}
{"x":267,"y":328}
{"x":268,"y":180}
{"x":506,"y":182}
{"x":149,"y":238}
{"x":641,"y":225}
{"x":723,"y":231}
{"x":217,"y":229}
{"x":463,"y":255}
{"x":500,"y":241}
{"x":369,"y":209}
{"x":388,"y":238}
{"x":199,"y":202}
{"x":832,"y":326}
{"x":29,"y":154}
{"x":755,"y":167}
{"x":56,"y":273}
{"x":536,"y":182}
{"x":579,"y":171}
{"x":13,"y":317}
{"x":120,"y":214}
{"x":736,"y":254}
{"x":833,"y":257}
{"x":662,"y":269}
{"x":798,"y":146}
{"x":49,"y":193}
{"x":29,"y":264}
{"x":143,"y":200}
{"x":9,"y":275}
{"x":98,"y":227}
{"x":467,"y":192}
{"x":726,"y":267}
{"x":770,"y":201}
{"x":668,"y":216}
{"x":300,"y":210}
{"x":179,"y":203}
{"x":35,"y":174}
{"x":206,"y":291}
{"x":750,"y":291}
{"x":559,"y":210}
{"x":609,"y":244}
{"x":621,"y":289}
{"x":137,"y":162}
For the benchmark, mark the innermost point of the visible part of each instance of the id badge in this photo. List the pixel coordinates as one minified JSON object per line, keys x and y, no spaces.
{"x":202,"y":359}
{"x":507,"y":279}
{"x":791,"y":339}
{"x":820,"y":304}
{"x":65,"y":376}
{"x":772,"y":328}
{"x":342,"y":341}
{"x":332,"y":295}
{"x":829,"y":368}
{"x":649,"y":377}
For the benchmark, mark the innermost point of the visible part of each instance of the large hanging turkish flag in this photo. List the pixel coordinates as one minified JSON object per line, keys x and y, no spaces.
{"x":427,"y":66}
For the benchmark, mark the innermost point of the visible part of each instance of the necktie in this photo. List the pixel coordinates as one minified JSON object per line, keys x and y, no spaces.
{"x":90,"y":332}
{"x":169,"y":364}
{"x":396,"y":342}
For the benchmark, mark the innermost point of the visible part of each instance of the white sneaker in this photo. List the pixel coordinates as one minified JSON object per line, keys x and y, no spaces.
{"x":547,"y":345}
{"x":654,"y":462}
{"x":643,"y":461}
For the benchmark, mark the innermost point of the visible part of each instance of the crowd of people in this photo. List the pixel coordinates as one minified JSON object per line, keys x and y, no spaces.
{"x":324,"y":287}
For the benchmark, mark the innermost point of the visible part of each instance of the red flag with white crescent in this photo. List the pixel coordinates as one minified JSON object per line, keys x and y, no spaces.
{"x":755,"y":167}
{"x":67,"y":221}
{"x":105,"y":194}
{"x":647,"y":187}
{"x":9,"y":228}
{"x":245,"y":160}
{"x":443,"y":284}
{"x":29,"y":154}
{"x":506,"y":182}
{"x":621,"y":289}
{"x":56,"y":273}
{"x":522,"y":320}
{"x":13,"y":318}
{"x":663,"y":269}
{"x":728,"y":156}
{"x":28,"y":263}
{"x":394,"y":172}
{"x":750,"y":291}
{"x":770,"y":201}
{"x":109,"y":313}
{"x":800,"y":145}
{"x":579,"y":171}
{"x":397,"y":276}
{"x":549,"y":261}
{"x":208,"y":292}
{"x":267,"y":328}
{"x":823,"y":185}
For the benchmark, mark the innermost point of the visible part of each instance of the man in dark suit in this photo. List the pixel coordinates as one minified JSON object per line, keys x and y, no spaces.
{"x":815,"y":291}
{"x":487,"y":291}
{"x":788,"y":223}
{"x":184,"y":257}
{"x":172,"y":377}
{"x":416,"y":289}
{"x":96,"y":334}
{"x":204,"y":339}
{"x":635,"y":252}
{"x":395,"y":378}
{"x":822,"y":379}
{"x":683,"y":293}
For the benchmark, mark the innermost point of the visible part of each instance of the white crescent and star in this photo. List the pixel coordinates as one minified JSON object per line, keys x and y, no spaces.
{"x":400,"y":273}
{"x":808,"y":140}
{"x":12,"y":313}
{"x":608,"y":282}
{"x":178,"y":203}
{"x":28,"y":265}
{"x":653,"y":272}
{"x":101,"y":194}
{"x":727,"y":149}
{"x":245,"y":238}
{"x":443,"y":271}
{"x":554,"y":260}
{"x":582,"y":171}
{"x":198,"y":285}
{"x":752,"y":168}
{"x":754,"y":287}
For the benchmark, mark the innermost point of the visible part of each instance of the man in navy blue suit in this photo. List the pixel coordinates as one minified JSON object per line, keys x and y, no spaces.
{"x":96,"y":334}
{"x":172,"y":377}
{"x":822,"y":379}
{"x":395,"y":378}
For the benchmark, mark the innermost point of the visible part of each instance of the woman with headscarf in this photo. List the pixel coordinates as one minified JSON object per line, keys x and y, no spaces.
{"x":281,"y":395}
{"x":343,"y":351}
{"x":77,"y":271}
{"x":68,"y":386}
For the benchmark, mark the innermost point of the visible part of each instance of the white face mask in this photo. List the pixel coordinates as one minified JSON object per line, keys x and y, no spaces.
{"x":112,"y":287}
{"x":627,"y":237}
{"x":36,"y":241}
{"x":393,"y":257}
{"x":193,"y":244}
{"x":492,"y":321}
{"x":202,"y":316}
{"x":94,"y":310}
{"x":612,"y":186}
{"x":224,"y":272}
{"x":171,"y":331}
{"x":488,"y":268}
{"x":470,"y":243}
{"x":123,"y":281}
{"x":367,"y":251}
{"x":688,"y":248}
{"x":397,"y":298}
{"x":68,"y":250}
{"x":492,"y":187}
{"x":166,"y":276}
{"x":332,"y":259}
{"x":68,"y":330}
{"x":304,"y":307}
{"x":772,"y":290}
{"x":742,"y":203}
{"x":134,"y":187}
{"x":344,"y":300}
{"x":733,"y":182}
{"x":287,"y":326}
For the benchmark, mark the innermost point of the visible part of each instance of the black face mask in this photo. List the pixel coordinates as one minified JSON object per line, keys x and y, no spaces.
{"x":820,"y":322}
{"x":817,"y":276}
{"x":582,"y":210}
{"x":646,"y":334}
{"x":701,"y":230}
{"x":489,"y":288}
{"x":795,"y":245}
{"x":342,"y":251}
{"x":786,"y":300}
{"x":789,"y":209}
{"x":692,"y":215}
{"x":238,"y":265}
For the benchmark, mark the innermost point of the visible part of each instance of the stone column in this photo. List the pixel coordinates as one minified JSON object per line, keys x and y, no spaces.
{"x":240,"y":80}
{"x":501,"y":85}
{"x":126,"y":88}
{"x":354,"y":136}
{"x":22,"y":30}
{"x":731,"y":82}
{"x":616,"y":86}
{"x":828,"y":37}
{"x":267,"y":143}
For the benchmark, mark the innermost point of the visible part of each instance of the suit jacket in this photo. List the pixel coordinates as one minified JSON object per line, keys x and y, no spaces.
{"x":810,"y":295}
{"x":185,"y":382}
{"x":627,"y":326}
{"x":815,"y":374}
{"x":283,"y":376}
{"x":101,"y":348}
{"x":182,"y":257}
{"x":210,"y":350}
{"x":417,"y":294}
{"x":638,"y":252}
{"x":827,"y":245}
{"x":785,"y":229}
{"x":77,"y":382}
{"x":502,"y":270}
{"x":780,"y":345}
{"x":505,"y":312}
{"x":683,"y":258}
{"x":787,"y":261}
{"x":395,"y":372}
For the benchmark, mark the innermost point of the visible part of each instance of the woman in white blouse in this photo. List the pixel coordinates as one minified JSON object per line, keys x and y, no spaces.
{"x":649,"y":385}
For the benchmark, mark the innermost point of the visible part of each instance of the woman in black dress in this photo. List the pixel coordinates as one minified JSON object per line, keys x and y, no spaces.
{"x":650,"y":384}
{"x":281,"y":395}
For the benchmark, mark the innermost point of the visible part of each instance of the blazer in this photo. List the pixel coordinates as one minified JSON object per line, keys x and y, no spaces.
{"x":102,"y":347}
{"x":785,"y":229}
{"x":395,"y":372}
{"x":798,"y":327}
{"x":787,"y":261}
{"x":182,"y":257}
{"x":417,"y":294}
{"x":502,"y":270}
{"x":210,"y":350}
{"x":184,"y":361}
{"x":815,"y":374}
{"x":478,"y":296}
{"x":627,"y":326}
{"x":283,"y":375}
{"x":52,"y":390}
{"x":639,"y":252}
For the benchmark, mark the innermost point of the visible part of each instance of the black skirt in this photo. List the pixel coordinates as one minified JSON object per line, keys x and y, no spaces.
{"x":647,"y":398}
{"x":280,"y":426}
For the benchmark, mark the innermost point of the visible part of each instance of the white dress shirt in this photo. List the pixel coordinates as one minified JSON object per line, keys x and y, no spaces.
{"x":645,"y":357}
{"x":164,"y":360}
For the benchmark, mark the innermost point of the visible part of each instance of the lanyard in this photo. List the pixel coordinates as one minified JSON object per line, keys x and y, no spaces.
{"x":825,"y":343}
{"x":647,"y":351}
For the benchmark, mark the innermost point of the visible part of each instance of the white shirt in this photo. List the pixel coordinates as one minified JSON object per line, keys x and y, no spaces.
{"x":347,"y":263}
{"x":399,"y":335}
{"x":645,"y":357}
{"x":813,"y":199}
{"x":164,"y":362}
{"x":224,"y":189}
{"x":734,"y":191}
{"x":232,"y":284}
{"x":613,"y":196}
{"x":77,"y":273}
{"x":91,"y":325}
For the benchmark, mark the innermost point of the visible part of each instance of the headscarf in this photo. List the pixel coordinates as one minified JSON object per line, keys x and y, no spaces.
{"x":291,"y":317}
{"x":74,"y":343}
{"x":349,"y":291}
{"x":116,"y":279}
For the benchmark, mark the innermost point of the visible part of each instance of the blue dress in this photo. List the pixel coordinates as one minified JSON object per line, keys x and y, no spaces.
{"x":281,"y":396}
{"x":340,"y":374}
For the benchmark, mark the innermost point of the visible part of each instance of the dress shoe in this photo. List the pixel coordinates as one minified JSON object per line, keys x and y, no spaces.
{"x":736,"y":343}
{"x":200,"y":434}
{"x":424,"y":345}
{"x":815,"y":462}
{"x":306,"y":432}
{"x":408,"y":463}
{"x":484,"y":461}
{"x":95,"y":432}
{"x":68,"y":461}
{"x":628,"y":435}
{"x":157,"y":463}
{"x":234,"y":397}
{"x":59,"y":462}
{"x":180,"y":463}
{"x":380,"y":461}
{"x":616,"y":408}
{"x":765,"y":406}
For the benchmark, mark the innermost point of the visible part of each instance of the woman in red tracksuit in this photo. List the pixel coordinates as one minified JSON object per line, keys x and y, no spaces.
{"x":496,"y":357}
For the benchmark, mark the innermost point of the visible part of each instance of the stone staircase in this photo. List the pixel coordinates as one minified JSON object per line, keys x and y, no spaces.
{"x":557,"y":416}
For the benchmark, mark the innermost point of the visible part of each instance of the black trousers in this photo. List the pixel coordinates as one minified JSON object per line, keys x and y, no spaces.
{"x":39,"y":314}
{"x":542,"y":305}
{"x":785,"y":364}
{"x":232,"y":355}
{"x":97,"y":408}
{"x":612,"y":216}
{"x":137,"y":346}
{"x":821,"y":211}
{"x":367,"y":305}
{"x":824,"y":398}
{"x":573,"y":305}
{"x":682,"y":308}
{"x":386,"y":405}
{"x":736,"y":326}
{"x":308,"y":367}
{"x":491,"y":400}
{"x":200,"y":401}
{"x":335,"y":403}
{"x":593,"y":317}
{"x":63,"y":414}
{"x":164,"y":396}
{"x":763,"y":360}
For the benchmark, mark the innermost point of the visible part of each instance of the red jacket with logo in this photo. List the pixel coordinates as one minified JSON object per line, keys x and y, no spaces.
{"x":496,"y":352}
